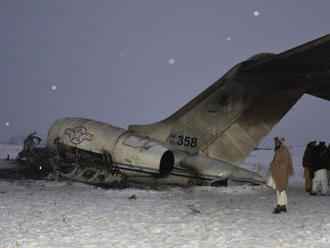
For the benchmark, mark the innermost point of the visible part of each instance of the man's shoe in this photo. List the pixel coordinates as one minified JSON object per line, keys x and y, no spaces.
{"x":277,"y":210}
{"x":311,"y":193}
{"x":283,"y":208}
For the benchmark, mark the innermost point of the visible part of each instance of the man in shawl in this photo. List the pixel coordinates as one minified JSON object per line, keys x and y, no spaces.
{"x":280,"y":169}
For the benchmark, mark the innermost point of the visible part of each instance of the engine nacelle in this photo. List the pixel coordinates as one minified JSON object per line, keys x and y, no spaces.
{"x":132,"y":153}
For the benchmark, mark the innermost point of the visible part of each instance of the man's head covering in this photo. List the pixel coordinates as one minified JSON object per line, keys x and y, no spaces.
{"x":279,"y":139}
{"x":312,"y":143}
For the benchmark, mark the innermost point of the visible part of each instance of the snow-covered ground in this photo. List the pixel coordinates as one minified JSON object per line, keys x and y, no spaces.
{"x":65,"y":214}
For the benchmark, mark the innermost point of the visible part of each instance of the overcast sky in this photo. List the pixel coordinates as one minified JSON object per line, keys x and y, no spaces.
{"x":138,"y":61}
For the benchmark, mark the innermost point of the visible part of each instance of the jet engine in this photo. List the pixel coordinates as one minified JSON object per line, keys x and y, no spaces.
{"x":96,"y":152}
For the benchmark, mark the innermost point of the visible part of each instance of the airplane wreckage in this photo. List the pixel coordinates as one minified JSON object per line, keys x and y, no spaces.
{"x":203,"y":142}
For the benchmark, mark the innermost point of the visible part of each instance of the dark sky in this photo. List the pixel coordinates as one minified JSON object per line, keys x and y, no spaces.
{"x":138,"y":61}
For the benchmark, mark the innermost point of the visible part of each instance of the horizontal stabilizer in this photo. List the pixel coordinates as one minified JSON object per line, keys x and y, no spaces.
{"x":219,"y":170}
{"x":313,"y":56}
{"x":307,"y":65}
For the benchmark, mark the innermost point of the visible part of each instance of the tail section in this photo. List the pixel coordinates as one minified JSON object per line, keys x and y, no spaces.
{"x":244,"y":135}
{"x":230,"y":118}
{"x":195,"y":125}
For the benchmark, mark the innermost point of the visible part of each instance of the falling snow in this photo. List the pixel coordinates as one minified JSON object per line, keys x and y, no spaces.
{"x":171,"y":61}
{"x":7,"y":124}
{"x":256,"y":13}
{"x":54,"y":87}
{"x":229,"y":38}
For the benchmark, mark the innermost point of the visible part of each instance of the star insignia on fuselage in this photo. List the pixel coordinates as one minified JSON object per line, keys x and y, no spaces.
{"x":78,"y":134}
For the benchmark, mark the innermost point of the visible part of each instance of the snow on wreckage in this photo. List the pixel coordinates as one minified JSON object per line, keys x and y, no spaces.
{"x":203,"y":142}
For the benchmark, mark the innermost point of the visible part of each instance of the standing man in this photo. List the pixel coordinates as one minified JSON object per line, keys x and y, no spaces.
{"x":320,"y":160}
{"x":307,"y":164}
{"x":280,"y":170}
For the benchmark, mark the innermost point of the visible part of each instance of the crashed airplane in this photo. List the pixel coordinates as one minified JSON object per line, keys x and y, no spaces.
{"x":204,"y":142}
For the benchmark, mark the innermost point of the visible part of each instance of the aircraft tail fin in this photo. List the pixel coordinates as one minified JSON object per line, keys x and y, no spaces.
{"x":230,"y":118}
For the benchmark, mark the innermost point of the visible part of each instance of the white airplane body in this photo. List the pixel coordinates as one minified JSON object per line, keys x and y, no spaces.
{"x":204,"y":142}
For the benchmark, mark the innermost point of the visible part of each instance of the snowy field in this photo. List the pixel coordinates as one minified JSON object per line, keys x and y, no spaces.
{"x":9,"y":150}
{"x":65,"y":214}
